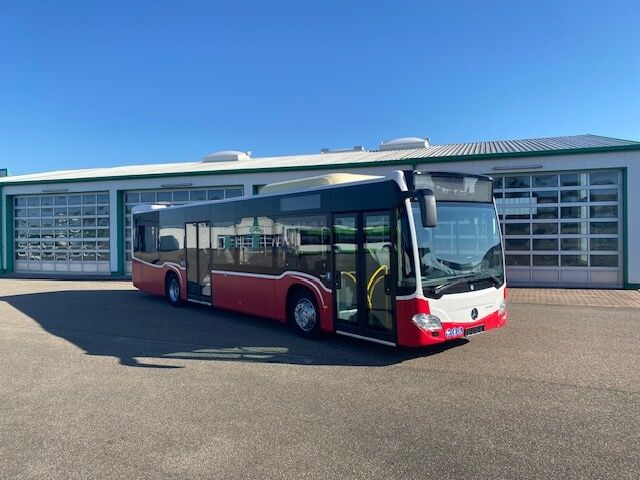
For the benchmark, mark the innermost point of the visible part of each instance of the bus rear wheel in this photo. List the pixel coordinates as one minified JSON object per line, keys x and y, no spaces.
{"x":173,"y":290}
{"x":304,"y":315}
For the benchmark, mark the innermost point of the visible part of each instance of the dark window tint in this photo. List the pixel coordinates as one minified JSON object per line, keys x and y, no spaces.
{"x":604,"y":195}
{"x":574,"y":244}
{"x":573,"y":179}
{"x":573,"y":212}
{"x":604,"y":244}
{"x":603,"y":227}
{"x":516,"y":182}
{"x":545,"y":260}
{"x":545,"y":228}
{"x":164,"y":197}
{"x":516,"y":244}
{"x":603,"y":178}
{"x":181,"y":196}
{"x":600,"y":211}
{"x":573,"y":228}
{"x":233,"y":192}
{"x":572,"y":196}
{"x":545,"y":244}
{"x":518,"y":260}
{"x":198,"y":195}
{"x":148,"y":197}
{"x":517,"y":229}
{"x":574,"y":260}
{"x":545,"y":212}
{"x":546,"y":197}
{"x":215,"y":194}
{"x":604,"y":260}
{"x":545,"y":180}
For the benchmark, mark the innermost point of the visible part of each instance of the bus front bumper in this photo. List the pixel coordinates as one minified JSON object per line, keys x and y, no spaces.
{"x":410,"y":335}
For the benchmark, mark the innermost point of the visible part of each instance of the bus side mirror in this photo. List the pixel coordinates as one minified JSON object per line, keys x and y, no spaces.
{"x":428,"y":213}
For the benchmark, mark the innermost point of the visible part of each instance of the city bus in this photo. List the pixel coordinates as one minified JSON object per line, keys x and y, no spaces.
{"x":409,"y":259}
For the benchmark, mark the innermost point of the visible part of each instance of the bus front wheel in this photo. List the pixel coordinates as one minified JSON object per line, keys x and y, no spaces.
{"x":304,"y":315}
{"x":173,"y":290}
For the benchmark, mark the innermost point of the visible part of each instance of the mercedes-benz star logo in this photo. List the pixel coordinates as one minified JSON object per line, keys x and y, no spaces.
{"x":474,"y":314}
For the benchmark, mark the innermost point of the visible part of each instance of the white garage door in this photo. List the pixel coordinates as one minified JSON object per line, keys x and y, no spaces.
{"x":562,"y":229}
{"x":173,"y":197}
{"x":62,"y":233}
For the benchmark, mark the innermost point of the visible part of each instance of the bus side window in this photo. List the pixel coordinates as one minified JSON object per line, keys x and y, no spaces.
{"x":146,"y":239}
{"x":256,"y":243}
{"x":223,"y":244}
{"x":305,"y":244}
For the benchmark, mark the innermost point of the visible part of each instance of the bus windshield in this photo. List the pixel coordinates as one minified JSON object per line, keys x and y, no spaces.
{"x":465,"y":243}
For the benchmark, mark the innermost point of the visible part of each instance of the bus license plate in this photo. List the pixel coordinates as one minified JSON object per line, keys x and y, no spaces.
{"x":474,"y":330}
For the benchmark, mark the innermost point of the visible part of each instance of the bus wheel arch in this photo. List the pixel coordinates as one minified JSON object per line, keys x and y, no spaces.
{"x":172,"y":288}
{"x":302,"y":311}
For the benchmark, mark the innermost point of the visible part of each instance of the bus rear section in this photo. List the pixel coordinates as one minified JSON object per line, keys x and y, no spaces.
{"x":348,"y":255}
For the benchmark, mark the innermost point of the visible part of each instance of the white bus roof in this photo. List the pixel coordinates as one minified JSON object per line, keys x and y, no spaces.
{"x":317,"y":181}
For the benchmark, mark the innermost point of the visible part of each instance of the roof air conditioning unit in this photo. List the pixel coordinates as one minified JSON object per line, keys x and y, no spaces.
{"x":227,"y":156}
{"x":405,"y":143}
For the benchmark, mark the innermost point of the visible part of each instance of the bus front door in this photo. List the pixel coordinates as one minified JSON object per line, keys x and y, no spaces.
{"x":198,"y":248}
{"x":363,"y":286}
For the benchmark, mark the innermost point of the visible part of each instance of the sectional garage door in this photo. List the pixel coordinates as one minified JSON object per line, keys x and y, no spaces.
{"x":173,"y":197}
{"x":562,"y":229}
{"x":61,"y":233}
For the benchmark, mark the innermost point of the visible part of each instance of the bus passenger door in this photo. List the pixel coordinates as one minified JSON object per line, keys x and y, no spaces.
{"x":363,"y":287}
{"x":198,"y":248}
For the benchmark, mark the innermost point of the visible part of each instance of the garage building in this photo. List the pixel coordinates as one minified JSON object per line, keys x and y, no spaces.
{"x":569,"y":206}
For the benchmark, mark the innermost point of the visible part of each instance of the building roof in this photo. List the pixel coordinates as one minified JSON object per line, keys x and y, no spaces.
{"x":346,"y":159}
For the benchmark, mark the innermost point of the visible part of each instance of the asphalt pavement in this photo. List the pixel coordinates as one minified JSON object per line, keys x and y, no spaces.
{"x":98,"y":380}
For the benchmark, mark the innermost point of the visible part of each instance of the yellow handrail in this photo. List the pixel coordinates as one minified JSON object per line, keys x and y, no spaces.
{"x":373,"y":281}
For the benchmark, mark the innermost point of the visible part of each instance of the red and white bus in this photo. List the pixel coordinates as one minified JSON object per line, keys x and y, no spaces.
{"x":411,"y":258}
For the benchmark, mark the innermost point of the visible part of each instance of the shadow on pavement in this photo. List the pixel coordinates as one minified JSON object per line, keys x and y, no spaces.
{"x":130,"y":325}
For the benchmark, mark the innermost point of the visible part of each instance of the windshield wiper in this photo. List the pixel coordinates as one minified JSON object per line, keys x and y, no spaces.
{"x":441,"y":289}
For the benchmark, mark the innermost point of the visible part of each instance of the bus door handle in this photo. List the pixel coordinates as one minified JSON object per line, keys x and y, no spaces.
{"x":337,"y":281}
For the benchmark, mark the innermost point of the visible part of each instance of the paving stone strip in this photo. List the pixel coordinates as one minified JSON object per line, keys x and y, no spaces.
{"x":578,"y":297}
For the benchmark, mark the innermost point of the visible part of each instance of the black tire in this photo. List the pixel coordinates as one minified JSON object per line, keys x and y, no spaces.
{"x":304,"y":315}
{"x":172,"y":290}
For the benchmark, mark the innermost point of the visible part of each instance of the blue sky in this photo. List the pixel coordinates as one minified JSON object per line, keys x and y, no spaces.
{"x":86,"y":84}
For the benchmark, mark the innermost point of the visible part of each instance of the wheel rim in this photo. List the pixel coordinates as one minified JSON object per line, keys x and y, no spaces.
{"x":305,"y":314}
{"x":174,"y":290}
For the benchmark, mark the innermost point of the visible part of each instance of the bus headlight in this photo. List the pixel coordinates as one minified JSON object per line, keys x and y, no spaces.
{"x":502,"y":309}
{"x":427,"y":322}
